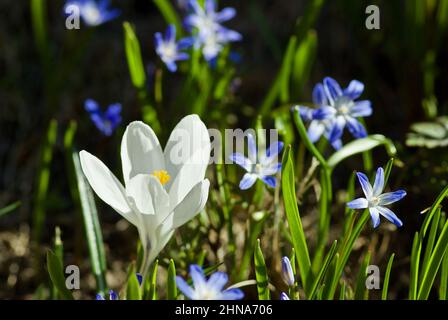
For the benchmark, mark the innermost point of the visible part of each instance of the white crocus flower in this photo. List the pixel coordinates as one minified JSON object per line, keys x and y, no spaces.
{"x":162,"y":189}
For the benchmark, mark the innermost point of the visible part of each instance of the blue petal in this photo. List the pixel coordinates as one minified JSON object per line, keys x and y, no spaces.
{"x":378,"y":186}
{"x":274,"y":149}
{"x":170,"y":33}
{"x":210,"y":6}
{"x":232,"y":294}
{"x":247,"y":181}
{"x":305,"y":113}
{"x":241,"y":160}
{"x":252,"y":148}
{"x":324,"y":113}
{"x":287,"y":273}
{"x":360,"y":203}
{"x":217,"y":281}
{"x":198,"y":276}
{"x":284,"y":296}
{"x":315,"y":130}
{"x":228,"y":35}
{"x":332,"y":89}
{"x":337,"y":129}
{"x":361,"y":109}
{"x":139,"y":278}
{"x":319,"y":97}
{"x":91,"y":106}
{"x":375,"y":215}
{"x":185,"y":288}
{"x":354,"y":89}
{"x":113,"y":295}
{"x":270,"y":181}
{"x":225,"y":14}
{"x":337,"y":144}
{"x":365,"y":184}
{"x":185,"y":43}
{"x":389,"y":215}
{"x":171,"y":66}
{"x":391,"y":197}
{"x":158,"y":40}
{"x":99,"y":297}
{"x":356,"y":128}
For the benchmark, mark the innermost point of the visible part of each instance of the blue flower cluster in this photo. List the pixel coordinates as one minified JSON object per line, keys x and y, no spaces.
{"x":337,"y":108}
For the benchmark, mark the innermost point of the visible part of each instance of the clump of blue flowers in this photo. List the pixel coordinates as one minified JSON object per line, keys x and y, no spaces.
{"x":94,"y":13}
{"x":112,"y":296}
{"x":259,"y":165}
{"x":208,"y":289}
{"x":337,"y":108}
{"x":106,"y":121}
{"x":211,"y":36}
{"x":375,"y":200}
{"x":169,"y":50}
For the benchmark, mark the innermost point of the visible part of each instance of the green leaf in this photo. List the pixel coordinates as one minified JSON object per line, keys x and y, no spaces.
{"x":91,"y":226}
{"x":431,"y":240}
{"x":415,"y":265}
{"x":361,"y":145}
{"x":434,"y":264}
{"x":322,"y":271}
{"x":10,"y":208}
{"x":169,"y":14}
{"x":387,"y":277}
{"x":261,"y":274}
{"x":294,"y":221}
{"x":443,"y":288}
{"x":134,"y":58}
{"x":303,"y":60}
{"x":361,"y":292}
{"x":56,"y":272}
{"x":285,"y":70}
{"x":133,"y":291}
{"x":153,"y":288}
{"x":172,"y":287}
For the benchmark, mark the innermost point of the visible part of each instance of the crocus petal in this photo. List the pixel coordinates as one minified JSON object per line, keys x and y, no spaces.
{"x":232,"y":294}
{"x":160,"y":199}
{"x":140,"y":151}
{"x":247,"y":181}
{"x":319,"y":97}
{"x":375,"y":215}
{"x":389,"y":215}
{"x":106,"y":185}
{"x":332,"y":89}
{"x":354,"y":89}
{"x":356,"y":128}
{"x":138,"y":189}
{"x":365,"y":184}
{"x":315,"y":130}
{"x":270,"y":181}
{"x":378,"y":185}
{"x":361,"y":109}
{"x":241,"y":160}
{"x":184,"y":287}
{"x":191,"y":205}
{"x":217,"y":281}
{"x":225,"y":14}
{"x":360,"y":203}
{"x":391,"y":197}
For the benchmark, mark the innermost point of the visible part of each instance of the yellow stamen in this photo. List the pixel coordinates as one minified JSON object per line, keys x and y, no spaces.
{"x":162,"y":175}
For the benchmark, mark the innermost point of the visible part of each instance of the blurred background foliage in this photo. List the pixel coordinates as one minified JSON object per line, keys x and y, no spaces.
{"x":45,"y":76}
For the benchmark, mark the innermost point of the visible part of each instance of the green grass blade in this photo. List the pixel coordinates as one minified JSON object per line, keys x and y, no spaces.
{"x":431,"y":240}
{"x":133,"y":291}
{"x":261,"y":274}
{"x":169,"y":14}
{"x":361,"y":145}
{"x":322,"y":271}
{"x":153,"y":287}
{"x":294,"y":221}
{"x":415,"y":263}
{"x":56,"y":272}
{"x":303,"y":61}
{"x":43,"y":181}
{"x":443,"y":288}
{"x":385,"y":290}
{"x":361,"y":292}
{"x":134,"y":57}
{"x":10,"y":208}
{"x":171,"y":281}
{"x":434,"y":264}
{"x":58,"y":248}
{"x":39,"y":19}
{"x":433,"y":209}
{"x":91,"y":226}
{"x":285,"y":70}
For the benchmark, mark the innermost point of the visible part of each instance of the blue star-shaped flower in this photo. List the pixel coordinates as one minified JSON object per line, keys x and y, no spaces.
{"x":169,"y":50}
{"x":94,"y":13}
{"x":106,"y":121}
{"x":259,"y":166}
{"x":375,"y":200}
{"x":211,"y":289}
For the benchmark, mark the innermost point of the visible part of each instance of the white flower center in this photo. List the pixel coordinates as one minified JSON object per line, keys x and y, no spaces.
{"x":91,"y":13}
{"x":168,"y":50}
{"x":343,"y":105}
{"x":207,"y":294}
{"x":374,"y":201}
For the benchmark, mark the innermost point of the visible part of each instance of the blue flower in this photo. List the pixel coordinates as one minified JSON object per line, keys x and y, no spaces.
{"x":106,"y":121}
{"x":262,"y":167}
{"x":211,"y":35}
{"x":169,"y":50}
{"x":112,"y":296}
{"x":375,"y":200}
{"x":287,"y":273}
{"x":343,"y":109}
{"x":321,"y":119}
{"x":284,"y":296}
{"x":94,"y":13}
{"x":211,"y":289}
